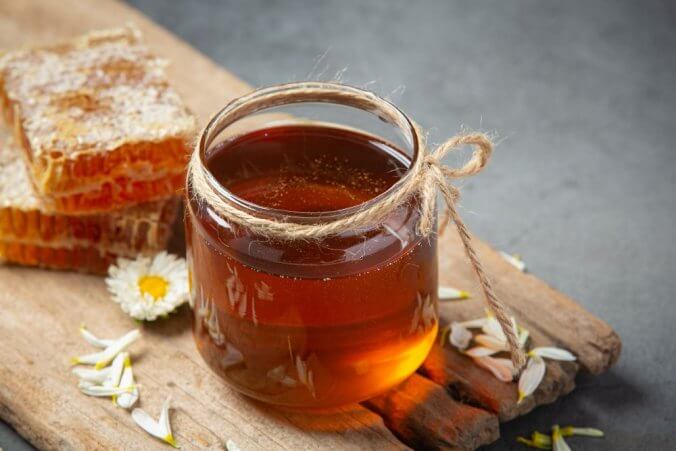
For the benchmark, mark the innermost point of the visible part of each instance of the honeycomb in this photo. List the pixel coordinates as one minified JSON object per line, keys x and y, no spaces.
{"x":98,"y":123}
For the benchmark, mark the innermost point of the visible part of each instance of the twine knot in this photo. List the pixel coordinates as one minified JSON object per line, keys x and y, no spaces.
{"x":439,"y":176}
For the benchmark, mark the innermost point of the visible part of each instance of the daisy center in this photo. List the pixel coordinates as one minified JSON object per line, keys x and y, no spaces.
{"x":155,"y":286}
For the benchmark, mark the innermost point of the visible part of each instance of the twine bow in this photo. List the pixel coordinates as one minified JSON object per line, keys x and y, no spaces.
{"x":438,"y":176}
{"x":426,"y":174}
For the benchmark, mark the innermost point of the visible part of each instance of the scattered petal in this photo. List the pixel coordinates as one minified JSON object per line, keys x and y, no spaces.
{"x":514,"y":260}
{"x":93,"y":340}
{"x":474,"y":323}
{"x":585,"y":432}
{"x":558,"y":443}
{"x":460,"y":337}
{"x":103,"y":358}
{"x":146,"y":287}
{"x":552,"y":353}
{"x":492,"y":327}
{"x":452,"y":294}
{"x":489,"y":341}
{"x":160,"y":429}
{"x":531,"y":377}
{"x":480,"y":351}
{"x":231,"y":446}
{"x":101,"y":391}
{"x":116,"y":369}
{"x":96,"y":377}
{"x":127,"y":400}
{"x":537,"y":440}
{"x":502,"y":369}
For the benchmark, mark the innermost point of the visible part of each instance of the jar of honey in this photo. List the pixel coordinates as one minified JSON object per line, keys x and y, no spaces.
{"x":310,"y":323}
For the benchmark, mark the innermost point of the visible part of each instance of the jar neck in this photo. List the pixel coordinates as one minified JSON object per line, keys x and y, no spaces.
{"x":297,"y":93}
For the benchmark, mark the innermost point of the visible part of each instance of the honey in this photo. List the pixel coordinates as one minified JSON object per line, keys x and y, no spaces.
{"x":310,"y":324}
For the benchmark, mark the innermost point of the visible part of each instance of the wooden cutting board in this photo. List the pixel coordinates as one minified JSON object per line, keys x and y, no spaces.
{"x":450,"y":403}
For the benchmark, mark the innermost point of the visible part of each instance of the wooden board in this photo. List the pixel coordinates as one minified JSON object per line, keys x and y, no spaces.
{"x":449,"y":404}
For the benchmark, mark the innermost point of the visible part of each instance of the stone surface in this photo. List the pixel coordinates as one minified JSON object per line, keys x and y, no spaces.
{"x":583,"y":183}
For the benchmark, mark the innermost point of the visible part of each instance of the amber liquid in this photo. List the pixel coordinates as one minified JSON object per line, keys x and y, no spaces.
{"x":311,"y":324}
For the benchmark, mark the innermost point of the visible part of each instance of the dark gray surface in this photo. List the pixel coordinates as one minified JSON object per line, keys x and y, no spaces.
{"x":583,"y":183}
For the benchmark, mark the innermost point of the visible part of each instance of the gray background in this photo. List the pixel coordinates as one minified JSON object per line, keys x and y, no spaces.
{"x":583,"y":184}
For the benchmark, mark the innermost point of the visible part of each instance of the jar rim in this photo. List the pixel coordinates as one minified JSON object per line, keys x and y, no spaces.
{"x":304,"y":92}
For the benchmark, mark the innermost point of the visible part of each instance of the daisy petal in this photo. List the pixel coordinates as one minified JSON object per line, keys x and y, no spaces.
{"x":116,"y":369}
{"x":531,"y":377}
{"x":147,"y":423}
{"x":116,"y":347}
{"x":558,"y":443}
{"x":514,"y":260}
{"x":480,"y":351}
{"x":460,"y":337}
{"x":473,"y":323}
{"x":164,"y":418}
{"x":502,"y":369}
{"x":93,"y":340}
{"x":537,"y":440}
{"x":451,"y":294}
{"x":492,"y":327}
{"x":91,"y":375}
{"x":99,"y":390}
{"x":87,"y":359}
{"x":586,"y":432}
{"x":552,"y":353}
{"x":127,"y":400}
{"x":160,"y":429}
{"x":489,"y":341}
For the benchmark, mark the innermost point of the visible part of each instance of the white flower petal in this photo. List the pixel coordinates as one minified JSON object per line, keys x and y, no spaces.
{"x":492,"y":327}
{"x":552,"y":353}
{"x":502,"y":369}
{"x":127,"y":400}
{"x":585,"y":432}
{"x":147,"y":423}
{"x":531,"y":377}
{"x":116,"y":369}
{"x":450,"y":294}
{"x":99,"y":390}
{"x":514,"y":260}
{"x":93,"y":340}
{"x":164,"y":417}
{"x":474,"y":323}
{"x":87,"y":359}
{"x":490,"y":342}
{"x":231,"y":446}
{"x":480,"y":351}
{"x":96,"y":377}
{"x":160,"y":429}
{"x":116,"y":347}
{"x":460,"y":337}
{"x":558,"y":443}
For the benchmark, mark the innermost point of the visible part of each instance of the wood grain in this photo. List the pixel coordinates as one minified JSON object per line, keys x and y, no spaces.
{"x":41,"y":312}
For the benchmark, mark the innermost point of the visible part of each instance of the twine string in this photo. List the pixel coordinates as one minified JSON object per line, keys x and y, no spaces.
{"x":440,"y":175}
{"x":426,"y":176}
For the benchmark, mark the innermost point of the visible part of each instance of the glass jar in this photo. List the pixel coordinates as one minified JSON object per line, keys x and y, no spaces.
{"x":310,"y":323}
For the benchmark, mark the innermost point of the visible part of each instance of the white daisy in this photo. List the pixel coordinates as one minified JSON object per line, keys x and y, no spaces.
{"x":146,"y":287}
